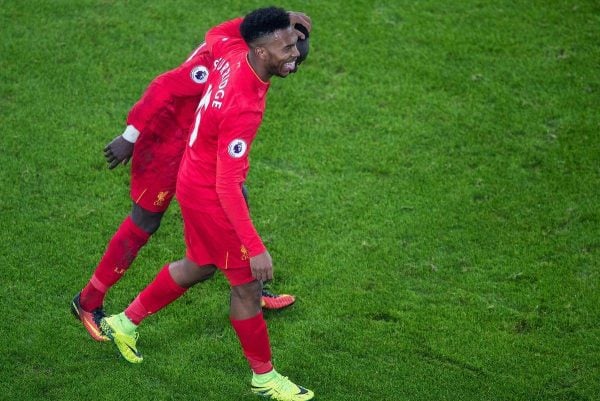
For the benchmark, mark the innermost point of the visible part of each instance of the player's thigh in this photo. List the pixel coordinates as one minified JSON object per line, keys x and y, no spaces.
{"x":154,"y":172}
{"x":249,"y":291}
{"x":211,"y":240}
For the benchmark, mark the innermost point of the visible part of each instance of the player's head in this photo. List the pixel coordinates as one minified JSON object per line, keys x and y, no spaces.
{"x":272,"y":41}
{"x":302,"y":45}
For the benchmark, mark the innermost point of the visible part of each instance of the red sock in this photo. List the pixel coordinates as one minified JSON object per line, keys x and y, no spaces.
{"x":120,"y":253}
{"x":254,"y":338}
{"x":158,"y":294}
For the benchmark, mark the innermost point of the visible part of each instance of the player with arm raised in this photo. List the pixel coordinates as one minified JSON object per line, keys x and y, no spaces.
{"x":219,"y":233}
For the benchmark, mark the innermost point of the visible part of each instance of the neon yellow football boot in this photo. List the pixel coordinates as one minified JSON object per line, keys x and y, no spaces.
{"x":280,"y":388}
{"x":125,"y":340}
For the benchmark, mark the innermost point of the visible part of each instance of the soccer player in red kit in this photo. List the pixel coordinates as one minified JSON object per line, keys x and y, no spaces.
{"x":219,"y":233}
{"x":163,"y":116}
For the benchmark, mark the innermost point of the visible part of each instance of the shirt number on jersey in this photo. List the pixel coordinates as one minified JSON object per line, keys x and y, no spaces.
{"x":202,"y":105}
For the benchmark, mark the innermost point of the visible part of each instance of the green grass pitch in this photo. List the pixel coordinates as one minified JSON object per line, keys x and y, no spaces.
{"x":428,"y":185}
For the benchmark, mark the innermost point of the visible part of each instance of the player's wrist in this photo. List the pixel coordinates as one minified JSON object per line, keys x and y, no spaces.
{"x":257,"y":249}
{"x":131,"y":134}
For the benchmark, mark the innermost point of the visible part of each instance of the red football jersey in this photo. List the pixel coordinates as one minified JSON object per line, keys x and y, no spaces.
{"x":173,"y":94}
{"x":215,"y":163}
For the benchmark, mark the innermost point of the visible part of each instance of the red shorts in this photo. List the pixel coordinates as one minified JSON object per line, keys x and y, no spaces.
{"x":155,"y":163}
{"x":211,"y":240}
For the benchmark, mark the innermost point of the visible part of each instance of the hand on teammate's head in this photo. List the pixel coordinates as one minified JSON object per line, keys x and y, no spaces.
{"x":298,"y":18}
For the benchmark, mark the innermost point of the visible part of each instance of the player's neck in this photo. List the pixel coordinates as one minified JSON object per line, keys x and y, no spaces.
{"x":259,"y":69}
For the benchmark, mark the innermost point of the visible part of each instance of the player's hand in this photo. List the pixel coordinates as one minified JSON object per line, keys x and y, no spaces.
{"x":262,"y":266}
{"x":302,"y":19}
{"x":246,"y":195}
{"x":118,"y":151}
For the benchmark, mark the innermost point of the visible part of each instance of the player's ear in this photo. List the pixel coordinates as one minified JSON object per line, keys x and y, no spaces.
{"x":260,"y":52}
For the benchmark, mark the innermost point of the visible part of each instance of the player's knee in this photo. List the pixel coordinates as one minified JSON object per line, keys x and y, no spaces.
{"x":145,"y":219}
{"x":187,"y":273}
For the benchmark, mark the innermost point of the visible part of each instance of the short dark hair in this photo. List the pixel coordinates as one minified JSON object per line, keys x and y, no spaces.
{"x":263,"y":22}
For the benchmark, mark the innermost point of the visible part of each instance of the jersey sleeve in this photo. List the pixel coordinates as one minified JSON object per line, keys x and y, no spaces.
{"x":232,"y":166}
{"x":187,"y":80}
{"x":222,"y":38}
